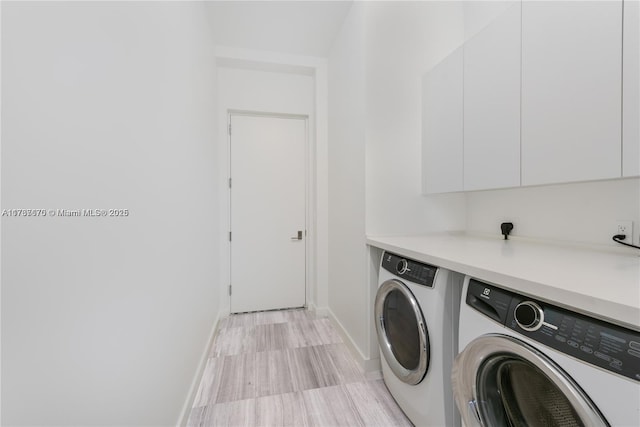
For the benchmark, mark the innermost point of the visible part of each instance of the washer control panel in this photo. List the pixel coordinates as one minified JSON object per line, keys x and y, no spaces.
{"x":594,"y":341}
{"x":408,"y":269}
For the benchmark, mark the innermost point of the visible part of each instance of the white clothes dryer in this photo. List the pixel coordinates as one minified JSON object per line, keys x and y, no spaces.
{"x":526,"y":362}
{"x":416,"y":315}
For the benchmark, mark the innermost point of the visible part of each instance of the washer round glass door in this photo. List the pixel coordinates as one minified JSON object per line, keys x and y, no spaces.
{"x":499,"y":380}
{"x":402,"y":332}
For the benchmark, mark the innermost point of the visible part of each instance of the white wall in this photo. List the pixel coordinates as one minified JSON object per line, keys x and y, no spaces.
{"x":375,"y":71}
{"x":246,"y":89}
{"x":404,"y":40}
{"x":104,"y":320}
{"x":0,"y":208}
{"x":263,"y":91}
{"x":346,"y":170}
{"x":579,"y":212}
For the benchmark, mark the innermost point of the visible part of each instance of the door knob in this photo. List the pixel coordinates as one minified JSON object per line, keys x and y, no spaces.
{"x":298,"y":237}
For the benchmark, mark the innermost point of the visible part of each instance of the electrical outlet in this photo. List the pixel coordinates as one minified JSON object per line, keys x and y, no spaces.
{"x":626,"y":228}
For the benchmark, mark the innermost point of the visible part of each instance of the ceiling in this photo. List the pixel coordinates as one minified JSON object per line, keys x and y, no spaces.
{"x":294,"y":27}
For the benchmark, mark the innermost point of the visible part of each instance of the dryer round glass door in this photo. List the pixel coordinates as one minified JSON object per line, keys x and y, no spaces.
{"x":499,"y":380}
{"x":402,"y":333}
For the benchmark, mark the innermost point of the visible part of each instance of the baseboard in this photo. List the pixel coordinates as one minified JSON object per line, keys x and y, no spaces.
{"x":195,"y":383}
{"x":367,"y":365}
{"x":318,"y":311}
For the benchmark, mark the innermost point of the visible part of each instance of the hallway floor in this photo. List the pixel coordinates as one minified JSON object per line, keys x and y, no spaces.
{"x":287,"y":368}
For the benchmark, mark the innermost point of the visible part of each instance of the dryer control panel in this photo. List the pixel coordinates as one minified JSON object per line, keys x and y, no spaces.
{"x":408,"y":269}
{"x":594,"y":341}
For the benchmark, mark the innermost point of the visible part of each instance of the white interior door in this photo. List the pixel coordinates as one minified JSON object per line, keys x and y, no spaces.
{"x":268,"y":211}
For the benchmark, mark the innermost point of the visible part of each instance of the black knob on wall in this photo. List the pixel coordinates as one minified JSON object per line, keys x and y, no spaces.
{"x":506,"y":228}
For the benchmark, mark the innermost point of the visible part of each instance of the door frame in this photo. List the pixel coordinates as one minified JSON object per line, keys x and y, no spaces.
{"x":309,"y":231}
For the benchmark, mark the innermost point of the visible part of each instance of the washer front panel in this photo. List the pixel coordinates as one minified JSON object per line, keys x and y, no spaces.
{"x":610,"y":347}
{"x":402,"y":332}
{"x":409,"y":270}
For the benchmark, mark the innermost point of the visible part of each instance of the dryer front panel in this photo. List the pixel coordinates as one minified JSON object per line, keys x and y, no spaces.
{"x":402,"y":332}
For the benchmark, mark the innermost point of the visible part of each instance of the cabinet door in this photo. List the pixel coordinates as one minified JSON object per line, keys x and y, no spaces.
{"x":631,"y":89}
{"x":442,"y":126}
{"x":492,"y":104}
{"x":571,"y":91}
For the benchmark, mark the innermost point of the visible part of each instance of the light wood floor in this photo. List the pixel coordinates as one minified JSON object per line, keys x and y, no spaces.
{"x":288,"y":368}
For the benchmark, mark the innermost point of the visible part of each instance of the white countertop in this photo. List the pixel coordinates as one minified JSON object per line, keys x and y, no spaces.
{"x":603,"y":284}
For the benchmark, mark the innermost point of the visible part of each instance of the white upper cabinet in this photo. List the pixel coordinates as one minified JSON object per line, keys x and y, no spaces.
{"x":442,"y":126}
{"x":571,"y":91}
{"x":631,"y":89}
{"x":492,"y":104}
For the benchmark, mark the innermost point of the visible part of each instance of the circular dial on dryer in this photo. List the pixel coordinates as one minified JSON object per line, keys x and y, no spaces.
{"x":529,"y":316}
{"x":402,"y":267}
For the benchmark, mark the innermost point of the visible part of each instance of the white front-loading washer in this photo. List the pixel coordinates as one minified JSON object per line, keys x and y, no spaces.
{"x":525,"y":362}
{"x":416,"y":315}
